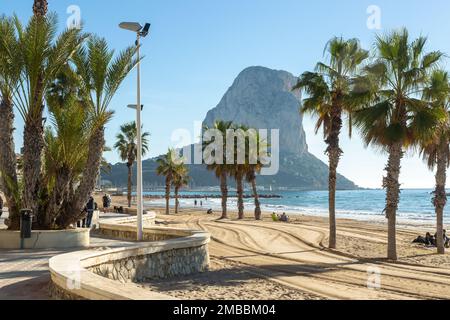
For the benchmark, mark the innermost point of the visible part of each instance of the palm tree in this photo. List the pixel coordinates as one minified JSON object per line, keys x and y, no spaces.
{"x":167,"y":167}
{"x":68,"y":131}
{"x":40,"y":8}
{"x":220,"y":168}
{"x":435,"y":150}
{"x":40,"y":55}
{"x":392,"y":116}
{"x":9,"y":78}
{"x":329,"y":93}
{"x":127,"y":146}
{"x":180,"y":180}
{"x":101,"y":75}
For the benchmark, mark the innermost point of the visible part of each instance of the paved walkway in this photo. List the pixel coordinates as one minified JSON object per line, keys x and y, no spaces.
{"x":24,"y":274}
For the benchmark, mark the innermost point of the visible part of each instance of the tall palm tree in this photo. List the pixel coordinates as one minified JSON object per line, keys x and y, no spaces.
{"x":101,"y":75}
{"x":393,"y":116}
{"x":220,"y":168}
{"x":167,"y":167}
{"x":180,"y":180}
{"x":329,"y":90}
{"x":9,"y":78}
{"x":435,"y":149}
{"x":41,"y":55}
{"x":40,"y":8}
{"x":127,"y":146}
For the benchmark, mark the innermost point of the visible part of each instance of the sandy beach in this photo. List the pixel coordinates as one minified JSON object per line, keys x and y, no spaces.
{"x":294,"y":256}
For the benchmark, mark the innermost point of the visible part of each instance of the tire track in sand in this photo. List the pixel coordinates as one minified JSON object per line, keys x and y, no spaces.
{"x":313,"y":269}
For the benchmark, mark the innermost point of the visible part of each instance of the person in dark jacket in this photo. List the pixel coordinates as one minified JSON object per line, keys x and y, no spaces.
{"x":1,"y":206}
{"x":105,"y":201}
{"x":90,"y":208}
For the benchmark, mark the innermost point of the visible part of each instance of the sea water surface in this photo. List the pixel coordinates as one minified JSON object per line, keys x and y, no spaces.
{"x":415,"y":205}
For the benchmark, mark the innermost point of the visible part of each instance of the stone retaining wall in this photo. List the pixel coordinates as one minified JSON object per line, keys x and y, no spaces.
{"x":159,"y":265}
{"x":129,"y":235}
{"x":108,"y":274}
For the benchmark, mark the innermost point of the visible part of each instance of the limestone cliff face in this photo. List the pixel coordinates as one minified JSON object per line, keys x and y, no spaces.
{"x":259,"y":98}
{"x":262,"y":98}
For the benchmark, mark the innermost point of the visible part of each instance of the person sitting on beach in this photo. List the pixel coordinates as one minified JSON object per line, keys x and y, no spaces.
{"x":209,"y":211}
{"x":275,"y":217}
{"x":430,"y":240}
{"x":284,"y":217}
{"x":446,"y":239}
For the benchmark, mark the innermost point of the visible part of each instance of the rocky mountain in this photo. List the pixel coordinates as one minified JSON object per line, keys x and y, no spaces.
{"x":259,"y":98}
{"x":262,"y":98}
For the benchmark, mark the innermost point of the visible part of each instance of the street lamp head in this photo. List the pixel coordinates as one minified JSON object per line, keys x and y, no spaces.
{"x":146,"y":30}
{"x":133,"y":106}
{"x":136,"y":27}
{"x":131,"y":26}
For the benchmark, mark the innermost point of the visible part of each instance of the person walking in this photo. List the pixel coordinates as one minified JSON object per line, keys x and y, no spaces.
{"x":1,"y":206}
{"x":90,"y":208}
{"x":105,"y":202}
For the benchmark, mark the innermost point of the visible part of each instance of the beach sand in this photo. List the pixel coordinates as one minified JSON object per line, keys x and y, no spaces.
{"x":294,"y":256}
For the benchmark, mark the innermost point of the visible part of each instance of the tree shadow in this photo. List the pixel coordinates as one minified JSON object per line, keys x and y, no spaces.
{"x":31,"y":289}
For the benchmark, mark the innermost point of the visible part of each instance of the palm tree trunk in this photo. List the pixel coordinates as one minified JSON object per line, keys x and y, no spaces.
{"x":440,"y":197}
{"x":40,"y":8}
{"x":392,"y":186}
{"x":168,"y":182}
{"x":130,"y":182}
{"x":334,"y":154}
{"x":256,"y":197}
{"x":332,"y":199}
{"x":58,"y":194}
{"x":74,"y":207}
{"x":8,"y":176}
{"x":240,"y":194}
{"x":32,"y":162}
{"x":224,"y":191}
{"x":176,"y":199}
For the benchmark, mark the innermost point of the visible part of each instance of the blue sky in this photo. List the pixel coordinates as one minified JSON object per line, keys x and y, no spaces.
{"x":198,"y":47}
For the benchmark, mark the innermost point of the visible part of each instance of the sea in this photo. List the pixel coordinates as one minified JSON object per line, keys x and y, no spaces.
{"x":368,"y":205}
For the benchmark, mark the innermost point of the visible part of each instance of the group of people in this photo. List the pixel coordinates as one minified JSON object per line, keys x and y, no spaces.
{"x":430,"y":240}
{"x":106,"y":201}
{"x":280,"y":218}
{"x":197,"y":202}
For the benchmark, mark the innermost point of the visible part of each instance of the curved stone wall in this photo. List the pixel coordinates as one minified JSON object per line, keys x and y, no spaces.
{"x":109,"y":274}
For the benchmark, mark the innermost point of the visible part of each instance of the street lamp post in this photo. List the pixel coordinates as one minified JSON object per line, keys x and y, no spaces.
{"x":140,"y":32}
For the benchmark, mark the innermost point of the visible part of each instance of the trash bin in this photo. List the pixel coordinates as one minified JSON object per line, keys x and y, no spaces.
{"x":26,"y":221}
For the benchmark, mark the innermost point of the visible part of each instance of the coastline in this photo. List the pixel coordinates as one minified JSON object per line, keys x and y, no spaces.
{"x":415,"y":207}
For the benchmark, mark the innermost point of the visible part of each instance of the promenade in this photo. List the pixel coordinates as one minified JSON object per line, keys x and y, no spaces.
{"x":24,"y":274}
